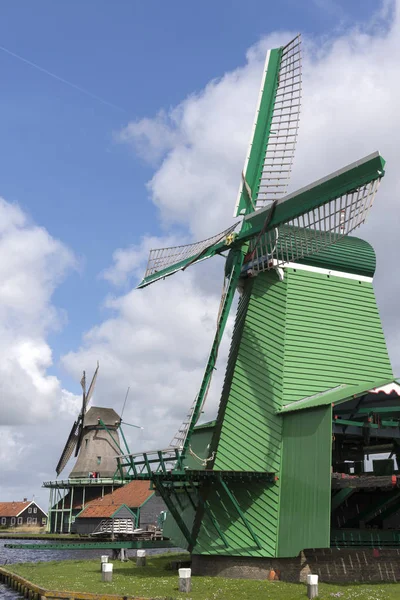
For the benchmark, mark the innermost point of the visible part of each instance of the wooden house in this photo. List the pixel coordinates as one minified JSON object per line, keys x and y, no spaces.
{"x":27,"y":512}
{"x":132,"y":506}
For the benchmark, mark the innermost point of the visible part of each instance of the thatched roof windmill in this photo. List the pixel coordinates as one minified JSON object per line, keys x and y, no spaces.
{"x":94,"y":438}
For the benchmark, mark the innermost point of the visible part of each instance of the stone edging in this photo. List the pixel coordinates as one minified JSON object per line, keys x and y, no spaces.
{"x":34,"y":592}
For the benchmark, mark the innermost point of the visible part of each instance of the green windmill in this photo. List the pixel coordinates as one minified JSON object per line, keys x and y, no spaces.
{"x":305,"y":328}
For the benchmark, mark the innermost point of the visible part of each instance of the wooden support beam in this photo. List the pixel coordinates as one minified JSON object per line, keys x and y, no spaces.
{"x":190,"y":498}
{"x":340,"y":497}
{"x":162,"y":464}
{"x":240,"y":512}
{"x":174,"y":512}
{"x":372,"y":512}
{"x":209,"y":513}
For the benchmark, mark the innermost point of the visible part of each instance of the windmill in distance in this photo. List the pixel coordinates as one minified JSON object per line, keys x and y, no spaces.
{"x":75,"y":437}
{"x":94,"y":439}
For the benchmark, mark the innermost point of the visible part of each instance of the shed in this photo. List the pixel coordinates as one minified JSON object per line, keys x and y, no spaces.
{"x":134,"y":505}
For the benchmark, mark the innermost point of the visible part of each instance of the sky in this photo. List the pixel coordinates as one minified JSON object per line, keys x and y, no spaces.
{"x":124,"y":126}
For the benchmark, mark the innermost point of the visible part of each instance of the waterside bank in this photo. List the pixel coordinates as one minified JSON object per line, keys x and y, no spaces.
{"x":81,"y":580}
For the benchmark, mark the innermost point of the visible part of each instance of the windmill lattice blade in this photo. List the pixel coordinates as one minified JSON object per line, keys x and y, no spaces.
{"x":166,"y":261}
{"x":91,"y":389}
{"x":68,"y":448}
{"x":281,"y":146}
{"x":269,"y":160}
{"x":309,"y":233}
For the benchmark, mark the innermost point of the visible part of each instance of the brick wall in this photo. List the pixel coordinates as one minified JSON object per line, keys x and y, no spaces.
{"x":332,"y":565}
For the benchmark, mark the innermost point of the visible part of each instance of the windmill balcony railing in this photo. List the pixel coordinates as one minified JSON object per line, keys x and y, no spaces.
{"x":143,"y":464}
{"x":65,"y":483}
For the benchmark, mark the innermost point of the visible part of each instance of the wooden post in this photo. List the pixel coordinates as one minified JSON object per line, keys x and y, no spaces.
{"x":312,"y":586}
{"x":103,"y":560}
{"x":107,"y":571}
{"x":185,"y":580}
{"x":141,"y":558}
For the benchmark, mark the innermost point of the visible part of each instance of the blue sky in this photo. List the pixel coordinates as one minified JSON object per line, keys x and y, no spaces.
{"x":64,"y":165}
{"x":60,"y":160}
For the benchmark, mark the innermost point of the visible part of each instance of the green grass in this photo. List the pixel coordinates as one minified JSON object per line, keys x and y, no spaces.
{"x":157,"y":581}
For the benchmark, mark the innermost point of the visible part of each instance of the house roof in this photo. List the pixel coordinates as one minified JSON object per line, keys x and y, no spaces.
{"x":13,"y":509}
{"x":102,"y":511}
{"x":133,"y":495}
{"x":342,"y":393}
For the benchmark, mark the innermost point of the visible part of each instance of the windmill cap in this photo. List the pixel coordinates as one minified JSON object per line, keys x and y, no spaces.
{"x":107,"y":415}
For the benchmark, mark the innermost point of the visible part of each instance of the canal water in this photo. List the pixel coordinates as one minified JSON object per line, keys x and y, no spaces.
{"x":8,"y":555}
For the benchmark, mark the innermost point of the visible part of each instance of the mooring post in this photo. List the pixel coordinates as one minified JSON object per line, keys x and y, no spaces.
{"x":312,"y":586}
{"x":103,"y":559}
{"x":141,"y":558}
{"x":107,"y":571}
{"x":185,"y":580}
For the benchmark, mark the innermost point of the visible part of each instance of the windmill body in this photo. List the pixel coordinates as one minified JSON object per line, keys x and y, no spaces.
{"x":99,"y":446}
{"x":95,"y":440}
{"x":309,"y":394}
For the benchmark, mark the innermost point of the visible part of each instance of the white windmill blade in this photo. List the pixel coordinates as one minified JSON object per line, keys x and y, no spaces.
{"x":270,"y":153}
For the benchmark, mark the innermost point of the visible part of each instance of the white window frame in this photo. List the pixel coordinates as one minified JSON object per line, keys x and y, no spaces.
{"x":34,"y":521}
{"x":13,"y":520}
{"x":44,"y":520}
{"x":34,"y":509}
{"x":28,"y":520}
{"x":20,"y":520}
{"x":3,"y":521}
{"x":29,"y":510}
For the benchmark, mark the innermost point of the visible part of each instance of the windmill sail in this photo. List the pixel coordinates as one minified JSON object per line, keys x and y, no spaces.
{"x":68,"y":448}
{"x":325,"y":222}
{"x":75,"y":437}
{"x":85,"y":401}
{"x":273,"y":140}
{"x":166,"y":261}
{"x":303,"y":222}
{"x":89,"y":394}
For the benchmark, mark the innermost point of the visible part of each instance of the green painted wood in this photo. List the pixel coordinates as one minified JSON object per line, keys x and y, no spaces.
{"x":349,"y":254}
{"x":333,"y":329}
{"x":261,"y":134}
{"x":338,"y":395}
{"x":303,"y":336}
{"x":247,"y":435}
{"x":249,"y":430}
{"x":305,"y":507}
{"x":301,"y":202}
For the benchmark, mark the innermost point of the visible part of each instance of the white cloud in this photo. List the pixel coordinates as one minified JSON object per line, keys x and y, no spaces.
{"x":32,"y":264}
{"x":13,"y":446}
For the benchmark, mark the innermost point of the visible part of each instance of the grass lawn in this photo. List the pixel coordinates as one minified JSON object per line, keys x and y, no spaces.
{"x":157,"y":581}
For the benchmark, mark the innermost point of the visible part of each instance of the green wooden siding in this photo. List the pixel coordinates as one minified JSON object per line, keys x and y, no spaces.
{"x":333,"y":335}
{"x":292,"y":339}
{"x":260,"y":505}
{"x":248,"y":433}
{"x":348,"y":254}
{"x":304,"y":519}
{"x":261,"y":134}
